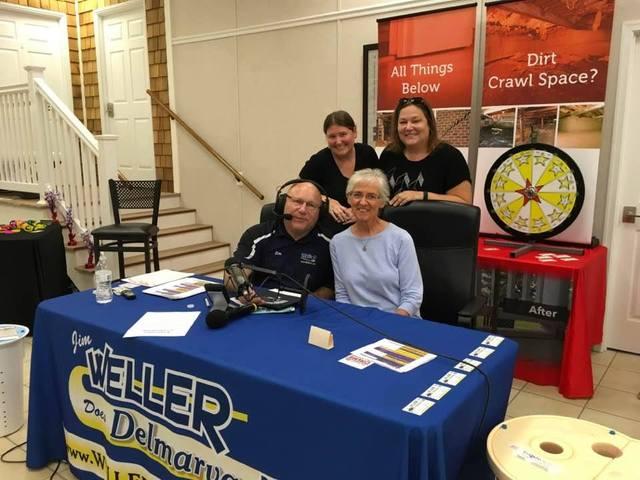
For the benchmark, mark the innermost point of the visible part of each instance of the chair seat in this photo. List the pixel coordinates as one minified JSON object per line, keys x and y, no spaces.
{"x":126,"y":231}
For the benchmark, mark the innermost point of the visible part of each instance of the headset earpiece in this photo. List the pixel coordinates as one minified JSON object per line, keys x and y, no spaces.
{"x":281,"y":198}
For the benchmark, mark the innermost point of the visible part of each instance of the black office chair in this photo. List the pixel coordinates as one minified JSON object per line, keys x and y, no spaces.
{"x":446,"y":238}
{"x":139,"y":194}
{"x":267,"y":214}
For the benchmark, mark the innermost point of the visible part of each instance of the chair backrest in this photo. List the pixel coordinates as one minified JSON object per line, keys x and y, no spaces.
{"x":446,"y":238}
{"x":267,"y":213}
{"x":127,"y":194}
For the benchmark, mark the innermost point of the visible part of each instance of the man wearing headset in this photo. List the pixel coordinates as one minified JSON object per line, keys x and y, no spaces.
{"x":292,"y":244}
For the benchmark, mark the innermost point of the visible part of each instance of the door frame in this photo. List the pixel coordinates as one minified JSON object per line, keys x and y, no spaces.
{"x":99,"y":17}
{"x":63,"y":36}
{"x":630,"y":31}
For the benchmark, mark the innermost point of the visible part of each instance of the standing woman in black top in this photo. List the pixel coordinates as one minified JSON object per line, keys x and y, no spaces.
{"x":332,"y":166}
{"x":420,"y":166}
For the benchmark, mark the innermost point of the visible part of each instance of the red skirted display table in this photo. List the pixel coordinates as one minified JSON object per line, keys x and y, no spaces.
{"x":583,"y":311}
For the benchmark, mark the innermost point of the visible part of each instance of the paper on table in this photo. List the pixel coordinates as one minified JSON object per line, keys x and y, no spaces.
{"x":178,"y":289}
{"x":395,"y":356}
{"x":162,"y":324}
{"x":157,"y":278}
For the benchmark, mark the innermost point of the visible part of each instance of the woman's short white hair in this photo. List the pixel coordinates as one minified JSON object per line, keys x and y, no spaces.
{"x":370,"y":175}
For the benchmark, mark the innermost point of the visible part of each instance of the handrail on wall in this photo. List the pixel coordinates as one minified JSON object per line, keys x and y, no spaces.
{"x":238,"y":176}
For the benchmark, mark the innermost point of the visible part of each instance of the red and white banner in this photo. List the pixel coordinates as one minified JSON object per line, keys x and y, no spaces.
{"x":545,"y":71}
{"x":428,"y":55}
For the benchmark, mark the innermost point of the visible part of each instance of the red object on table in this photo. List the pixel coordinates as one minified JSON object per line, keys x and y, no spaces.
{"x":588,"y":274}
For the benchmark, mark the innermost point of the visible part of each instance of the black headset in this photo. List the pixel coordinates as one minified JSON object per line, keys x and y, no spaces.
{"x":281,"y":198}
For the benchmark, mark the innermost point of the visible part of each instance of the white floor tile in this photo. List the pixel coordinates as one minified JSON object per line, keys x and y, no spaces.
{"x":530,"y":404}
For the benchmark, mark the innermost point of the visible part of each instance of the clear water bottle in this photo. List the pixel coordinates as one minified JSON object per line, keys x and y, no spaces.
{"x":103,"y":278}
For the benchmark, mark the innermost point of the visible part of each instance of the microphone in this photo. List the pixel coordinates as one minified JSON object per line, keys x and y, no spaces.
{"x":239,"y":279}
{"x":284,"y":216}
{"x":219,"y":318}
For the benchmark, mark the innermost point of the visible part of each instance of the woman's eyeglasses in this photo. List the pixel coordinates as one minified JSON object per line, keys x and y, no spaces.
{"x":369,"y":197}
{"x":404,"y":101}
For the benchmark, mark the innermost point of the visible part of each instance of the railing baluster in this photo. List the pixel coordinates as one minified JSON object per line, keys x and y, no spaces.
{"x":26,"y":145}
{"x":76,"y":180}
{"x":24,"y":139}
{"x":49,"y":154}
{"x":72,"y":199}
{"x":31,"y":170}
{"x":12,"y":139}
{"x":95,"y":193}
{"x":4,"y":138}
{"x":86,"y":186}
{"x":19,"y":138}
{"x":57,"y":143}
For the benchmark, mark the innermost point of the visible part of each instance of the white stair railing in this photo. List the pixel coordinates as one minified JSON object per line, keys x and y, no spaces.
{"x":45,"y":148}
{"x":18,"y":168}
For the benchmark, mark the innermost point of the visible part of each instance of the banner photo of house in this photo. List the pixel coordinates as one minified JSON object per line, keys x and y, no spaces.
{"x":422,"y":56}
{"x":544,"y":83}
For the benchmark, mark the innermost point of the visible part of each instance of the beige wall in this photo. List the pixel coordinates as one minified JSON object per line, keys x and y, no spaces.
{"x":259,"y":98}
{"x":258,"y":91}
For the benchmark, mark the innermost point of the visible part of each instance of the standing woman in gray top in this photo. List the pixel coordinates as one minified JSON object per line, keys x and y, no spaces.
{"x":375,"y":262}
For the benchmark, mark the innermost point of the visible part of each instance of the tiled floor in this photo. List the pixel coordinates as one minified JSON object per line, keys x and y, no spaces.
{"x":614,"y":404}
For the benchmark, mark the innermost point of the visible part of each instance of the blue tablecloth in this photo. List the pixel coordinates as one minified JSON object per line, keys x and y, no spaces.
{"x":252,"y":400}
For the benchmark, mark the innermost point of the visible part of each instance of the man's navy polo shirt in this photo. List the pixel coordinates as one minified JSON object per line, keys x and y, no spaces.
{"x":268,"y":245}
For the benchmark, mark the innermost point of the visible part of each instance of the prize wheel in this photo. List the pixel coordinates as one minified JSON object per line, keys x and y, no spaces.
{"x":534,"y":191}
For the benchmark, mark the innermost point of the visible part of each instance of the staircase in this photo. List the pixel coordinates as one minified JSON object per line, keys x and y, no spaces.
{"x":46,"y":151}
{"x":184,"y":244}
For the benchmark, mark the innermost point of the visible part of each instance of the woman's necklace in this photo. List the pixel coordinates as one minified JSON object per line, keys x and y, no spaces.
{"x":365,"y":240}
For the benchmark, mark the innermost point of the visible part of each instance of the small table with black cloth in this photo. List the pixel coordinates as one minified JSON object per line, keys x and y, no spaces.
{"x":35,"y":269}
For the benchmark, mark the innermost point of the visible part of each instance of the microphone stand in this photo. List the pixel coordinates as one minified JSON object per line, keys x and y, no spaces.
{"x":303,"y":290}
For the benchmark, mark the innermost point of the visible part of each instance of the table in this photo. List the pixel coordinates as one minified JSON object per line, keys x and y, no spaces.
{"x":252,"y":400}
{"x":587,"y":273}
{"x":34,"y":269}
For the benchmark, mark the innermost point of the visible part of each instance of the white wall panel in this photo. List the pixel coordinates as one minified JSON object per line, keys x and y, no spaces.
{"x":195,"y":17}
{"x":258,"y":12}
{"x":354,"y":33}
{"x":287,"y":84}
{"x":206,"y":88}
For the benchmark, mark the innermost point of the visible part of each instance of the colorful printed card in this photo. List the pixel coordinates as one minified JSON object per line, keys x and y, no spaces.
{"x":178,"y":289}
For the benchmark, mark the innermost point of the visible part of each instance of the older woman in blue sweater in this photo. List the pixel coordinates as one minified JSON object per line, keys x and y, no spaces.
{"x":375,"y":262}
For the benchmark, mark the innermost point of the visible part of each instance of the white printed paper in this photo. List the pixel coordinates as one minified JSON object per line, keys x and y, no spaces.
{"x":157,"y":278}
{"x":162,"y":324}
{"x":418,"y":406}
{"x":492,"y":341}
{"x":452,"y":378}
{"x":464,"y":367}
{"x":435,"y":392}
{"x":473,"y":362}
{"x":179,"y":289}
{"x":482,"y":352}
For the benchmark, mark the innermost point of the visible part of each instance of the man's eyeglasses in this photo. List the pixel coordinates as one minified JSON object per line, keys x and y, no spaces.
{"x":298,"y":202}
{"x":369,"y":197}
{"x":404,"y":101}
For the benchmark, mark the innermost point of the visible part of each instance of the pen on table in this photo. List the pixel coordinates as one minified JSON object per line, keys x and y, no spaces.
{"x":207,"y":302}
